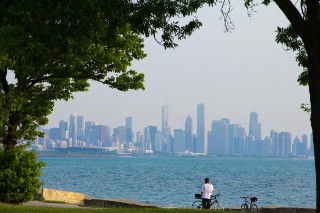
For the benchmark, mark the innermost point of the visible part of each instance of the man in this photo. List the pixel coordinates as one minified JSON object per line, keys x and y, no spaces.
{"x":206,"y":192}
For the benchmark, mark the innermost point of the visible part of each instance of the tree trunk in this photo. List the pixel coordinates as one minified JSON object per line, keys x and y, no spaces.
{"x":314,"y":89}
{"x":10,"y":140}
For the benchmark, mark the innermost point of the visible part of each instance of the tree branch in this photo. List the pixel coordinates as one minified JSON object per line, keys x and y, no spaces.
{"x":294,"y":16}
{"x":45,"y":78}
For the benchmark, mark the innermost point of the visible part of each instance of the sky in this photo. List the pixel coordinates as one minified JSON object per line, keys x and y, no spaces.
{"x":233,"y":74}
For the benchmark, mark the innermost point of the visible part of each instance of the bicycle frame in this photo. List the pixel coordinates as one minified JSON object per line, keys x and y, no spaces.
{"x":249,"y":206}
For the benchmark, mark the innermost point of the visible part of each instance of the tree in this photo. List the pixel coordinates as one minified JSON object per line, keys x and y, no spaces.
{"x":303,"y":37}
{"x":54,"y":48}
{"x":51,"y":49}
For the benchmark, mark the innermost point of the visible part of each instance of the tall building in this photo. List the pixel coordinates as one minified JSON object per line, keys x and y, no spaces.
{"x":179,"y":141}
{"x":188,"y":127}
{"x":305,"y":140}
{"x":275,"y":143}
{"x":119,"y":134}
{"x":64,"y":133}
{"x":54,"y":133}
{"x":80,"y":128}
{"x":219,"y":138}
{"x":311,"y":150}
{"x":284,"y":144}
{"x":232,"y":139}
{"x":254,"y":126}
{"x":149,"y":137}
{"x":158,"y":142}
{"x":241,"y":141}
{"x":129,"y":133}
{"x":165,"y":121}
{"x":202,"y":143}
{"x":73,"y":129}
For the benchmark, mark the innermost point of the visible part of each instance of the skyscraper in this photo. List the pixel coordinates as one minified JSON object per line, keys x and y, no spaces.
{"x":219,"y":138}
{"x":63,"y":126}
{"x":73,"y":129}
{"x":149,"y":137}
{"x":254,"y":126}
{"x":188,"y":132}
{"x":202,"y":143}
{"x":165,"y":121}
{"x":179,"y":141}
{"x":80,"y":128}
{"x":232,"y":138}
{"x":275,"y":143}
{"x":284,"y":144}
{"x":129,"y":133}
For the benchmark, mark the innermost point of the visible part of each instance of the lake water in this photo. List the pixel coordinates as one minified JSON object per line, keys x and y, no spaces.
{"x":174,"y":181}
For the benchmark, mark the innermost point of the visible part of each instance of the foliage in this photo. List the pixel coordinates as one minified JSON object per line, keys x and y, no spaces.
{"x":292,"y":41}
{"x":53,"y":49}
{"x":19,"y":175}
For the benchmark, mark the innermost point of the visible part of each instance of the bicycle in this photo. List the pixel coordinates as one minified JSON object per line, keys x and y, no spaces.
{"x":215,"y":204}
{"x":249,"y":207}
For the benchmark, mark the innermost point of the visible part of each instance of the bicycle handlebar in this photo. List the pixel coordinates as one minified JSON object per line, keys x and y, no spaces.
{"x":215,"y":196}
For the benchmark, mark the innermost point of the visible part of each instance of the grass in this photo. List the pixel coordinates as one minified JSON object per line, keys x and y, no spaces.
{"x":22,"y":208}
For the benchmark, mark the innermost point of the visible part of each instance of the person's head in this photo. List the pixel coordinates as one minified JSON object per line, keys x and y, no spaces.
{"x":206,"y":180}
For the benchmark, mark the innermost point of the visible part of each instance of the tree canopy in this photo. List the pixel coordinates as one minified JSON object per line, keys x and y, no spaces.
{"x":53,"y":49}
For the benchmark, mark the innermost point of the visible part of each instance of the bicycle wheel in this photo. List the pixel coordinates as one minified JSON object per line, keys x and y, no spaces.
{"x":254,"y":208}
{"x":244,"y":208}
{"x":197,"y":204}
{"x":218,"y":206}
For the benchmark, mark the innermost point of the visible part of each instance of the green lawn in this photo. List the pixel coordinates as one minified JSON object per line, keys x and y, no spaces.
{"x":21,"y":208}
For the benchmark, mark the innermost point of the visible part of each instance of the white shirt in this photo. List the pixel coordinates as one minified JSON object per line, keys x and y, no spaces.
{"x":206,"y":190}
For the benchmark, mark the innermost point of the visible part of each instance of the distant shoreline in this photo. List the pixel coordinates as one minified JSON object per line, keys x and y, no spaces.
{"x":170,"y":156}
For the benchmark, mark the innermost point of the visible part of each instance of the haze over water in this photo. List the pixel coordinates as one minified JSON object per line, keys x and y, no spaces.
{"x":174,"y":181}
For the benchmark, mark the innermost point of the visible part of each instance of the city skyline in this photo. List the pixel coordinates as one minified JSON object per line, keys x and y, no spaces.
{"x":164,"y":125}
{"x":190,"y":125}
{"x":233,"y":74}
{"x":224,"y":138}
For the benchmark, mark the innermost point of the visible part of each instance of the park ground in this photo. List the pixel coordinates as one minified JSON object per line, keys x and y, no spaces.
{"x":60,"y":207}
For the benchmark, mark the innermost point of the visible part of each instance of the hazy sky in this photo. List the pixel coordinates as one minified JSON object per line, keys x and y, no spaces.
{"x":232,"y":74}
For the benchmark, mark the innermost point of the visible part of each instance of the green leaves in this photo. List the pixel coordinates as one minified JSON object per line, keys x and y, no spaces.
{"x":19,"y":175}
{"x":54,"y":48}
{"x":292,"y":41}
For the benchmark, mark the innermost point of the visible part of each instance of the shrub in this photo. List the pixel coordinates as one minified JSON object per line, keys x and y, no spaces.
{"x":19,"y":175}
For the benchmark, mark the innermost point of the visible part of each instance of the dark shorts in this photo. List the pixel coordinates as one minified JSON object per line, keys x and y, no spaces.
{"x":206,"y":203}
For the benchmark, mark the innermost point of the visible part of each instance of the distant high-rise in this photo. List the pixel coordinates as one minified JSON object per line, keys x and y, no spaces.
{"x":232,"y":138}
{"x":219,"y":138}
{"x":63,"y":126}
{"x":129,"y":134}
{"x":284,"y":144}
{"x":241,"y":141}
{"x":311,"y":151}
{"x":165,"y":121}
{"x":188,"y":133}
{"x":275,"y":143}
{"x":201,"y":130}
{"x":254,"y":126}
{"x":179,"y":141}
{"x":73,"y":129}
{"x":305,"y":140}
{"x":119,"y":134}
{"x":80,"y":128}
{"x":149,"y":137}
